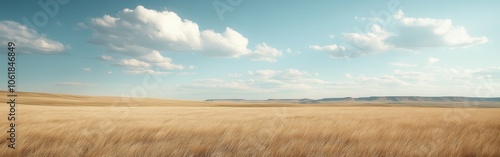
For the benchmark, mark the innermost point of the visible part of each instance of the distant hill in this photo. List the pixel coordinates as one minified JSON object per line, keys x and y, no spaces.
{"x":374,"y":99}
{"x":225,"y":100}
{"x":415,"y":98}
{"x":53,"y":99}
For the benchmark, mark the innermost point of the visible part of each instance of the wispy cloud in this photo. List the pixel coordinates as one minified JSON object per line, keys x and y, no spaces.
{"x":146,"y":71}
{"x":262,"y":80}
{"x":399,"y":64}
{"x":432,"y":60}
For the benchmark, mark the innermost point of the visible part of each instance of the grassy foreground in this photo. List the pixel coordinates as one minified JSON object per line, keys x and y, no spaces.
{"x":216,"y":131}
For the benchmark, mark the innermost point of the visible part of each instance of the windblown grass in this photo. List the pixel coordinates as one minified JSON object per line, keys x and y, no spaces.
{"x":252,"y":131}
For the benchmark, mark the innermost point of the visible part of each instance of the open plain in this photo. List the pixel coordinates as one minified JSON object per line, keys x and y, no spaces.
{"x":68,"y":125}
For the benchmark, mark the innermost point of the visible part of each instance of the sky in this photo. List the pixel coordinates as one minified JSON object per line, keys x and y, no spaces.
{"x":242,"y":49}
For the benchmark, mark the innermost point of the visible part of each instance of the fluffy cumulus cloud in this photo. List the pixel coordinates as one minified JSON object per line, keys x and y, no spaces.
{"x":140,"y":31}
{"x":428,"y":32}
{"x":229,"y":43}
{"x":31,"y":41}
{"x":407,"y":34}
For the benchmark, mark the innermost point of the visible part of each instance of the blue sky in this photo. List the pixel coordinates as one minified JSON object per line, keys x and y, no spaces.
{"x":255,"y":49}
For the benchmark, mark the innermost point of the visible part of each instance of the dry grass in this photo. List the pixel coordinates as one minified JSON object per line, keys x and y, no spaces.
{"x":208,"y":130}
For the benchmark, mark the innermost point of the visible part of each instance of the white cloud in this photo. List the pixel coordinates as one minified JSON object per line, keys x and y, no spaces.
{"x":263,"y":73}
{"x":87,"y":69}
{"x":167,"y":65}
{"x":288,"y":79}
{"x":469,"y":73}
{"x":348,"y":76}
{"x":295,"y":72}
{"x":395,"y":79}
{"x":361,"y":43}
{"x":110,"y":72}
{"x":106,"y":58}
{"x":153,"y":59}
{"x":292,"y":83}
{"x":399,"y":64}
{"x":334,"y":49}
{"x":146,"y":71}
{"x":157,"y":59}
{"x":428,"y":32}
{"x":414,"y":76}
{"x":263,"y":52}
{"x":432,"y":60}
{"x":228,"y":44}
{"x":141,"y":30}
{"x":31,"y":41}
{"x":263,"y":81}
{"x":133,"y":63}
{"x":469,"y":81}
{"x":409,"y":34}
{"x":234,"y":75}
{"x":105,"y":21}
{"x":369,"y":42}
{"x":208,"y":80}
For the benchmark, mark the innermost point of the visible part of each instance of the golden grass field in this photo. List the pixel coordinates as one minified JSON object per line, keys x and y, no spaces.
{"x":65,"y":125}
